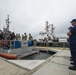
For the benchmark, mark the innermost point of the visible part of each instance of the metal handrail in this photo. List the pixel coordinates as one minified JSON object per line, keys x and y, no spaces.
{"x":10,"y":43}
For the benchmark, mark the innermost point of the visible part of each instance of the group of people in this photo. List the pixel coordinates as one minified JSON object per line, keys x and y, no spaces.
{"x":72,"y":44}
{"x":7,"y":37}
{"x":24,"y":37}
{"x":12,"y":36}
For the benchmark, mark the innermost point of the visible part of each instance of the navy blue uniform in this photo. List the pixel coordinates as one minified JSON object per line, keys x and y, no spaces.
{"x":72,"y":43}
{"x":1,"y":37}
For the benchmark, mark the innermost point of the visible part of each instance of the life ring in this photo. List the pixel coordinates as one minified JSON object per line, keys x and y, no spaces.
{"x":8,"y":56}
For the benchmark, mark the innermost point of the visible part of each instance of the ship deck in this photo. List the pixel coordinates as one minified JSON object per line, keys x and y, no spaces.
{"x":57,"y":64}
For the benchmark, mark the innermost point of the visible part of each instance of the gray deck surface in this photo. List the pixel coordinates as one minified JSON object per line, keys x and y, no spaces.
{"x":21,"y":52}
{"x":10,"y":69}
{"x":56,"y":65}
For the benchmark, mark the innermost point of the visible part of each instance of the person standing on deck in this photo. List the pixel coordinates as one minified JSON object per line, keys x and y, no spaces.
{"x":68,"y":43}
{"x":31,"y":39}
{"x":72,"y":43}
{"x":0,"y":36}
{"x":22,"y":37}
{"x":25,"y":36}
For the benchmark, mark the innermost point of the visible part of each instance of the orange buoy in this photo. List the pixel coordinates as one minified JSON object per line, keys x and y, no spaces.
{"x":8,"y":56}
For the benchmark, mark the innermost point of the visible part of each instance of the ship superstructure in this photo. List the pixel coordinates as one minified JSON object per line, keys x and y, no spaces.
{"x":6,"y":29}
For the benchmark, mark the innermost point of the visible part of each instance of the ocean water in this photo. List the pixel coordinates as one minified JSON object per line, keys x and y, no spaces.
{"x":42,"y":55}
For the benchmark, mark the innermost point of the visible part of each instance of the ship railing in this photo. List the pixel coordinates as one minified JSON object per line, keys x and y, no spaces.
{"x":10,"y":44}
{"x":14,"y":44}
{"x":53,"y":44}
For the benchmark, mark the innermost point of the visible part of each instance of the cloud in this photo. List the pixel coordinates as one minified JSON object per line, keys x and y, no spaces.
{"x":30,"y":15}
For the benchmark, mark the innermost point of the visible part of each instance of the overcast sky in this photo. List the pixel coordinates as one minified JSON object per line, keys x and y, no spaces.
{"x":30,"y":15}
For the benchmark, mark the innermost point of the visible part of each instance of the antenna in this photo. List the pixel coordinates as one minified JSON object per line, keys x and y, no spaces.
{"x":7,"y":23}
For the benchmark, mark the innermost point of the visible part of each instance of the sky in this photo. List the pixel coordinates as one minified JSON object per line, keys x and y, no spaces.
{"x":30,"y":15}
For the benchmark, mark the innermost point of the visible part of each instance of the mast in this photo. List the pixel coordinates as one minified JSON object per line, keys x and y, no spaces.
{"x":7,"y":23}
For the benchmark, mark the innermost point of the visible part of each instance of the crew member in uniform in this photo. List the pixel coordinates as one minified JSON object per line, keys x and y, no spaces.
{"x":72,"y":43}
{"x":31,"y":40}
{"x":25,"y":36}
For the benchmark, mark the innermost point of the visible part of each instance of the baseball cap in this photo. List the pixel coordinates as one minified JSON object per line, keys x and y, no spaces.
{"x":74,"y":20}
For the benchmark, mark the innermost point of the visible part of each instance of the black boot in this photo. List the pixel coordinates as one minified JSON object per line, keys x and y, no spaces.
{"x":72,"y":67}
{"x":71,"y":59}
{"x":72,"y":63}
